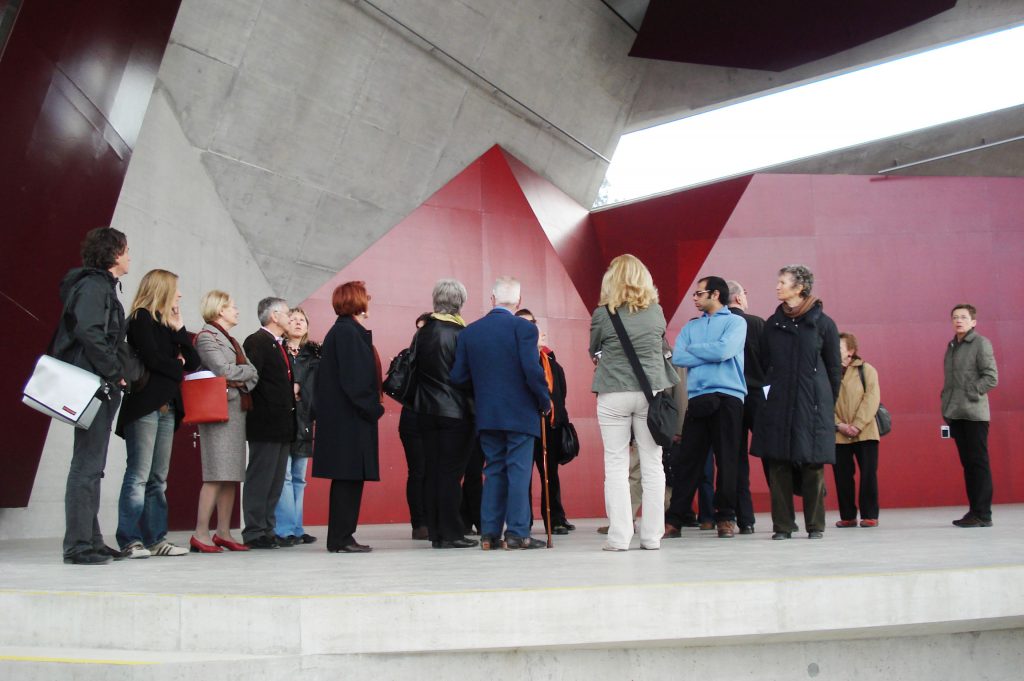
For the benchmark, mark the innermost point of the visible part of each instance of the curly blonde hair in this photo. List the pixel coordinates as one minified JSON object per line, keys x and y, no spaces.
{"x":627,"y":282}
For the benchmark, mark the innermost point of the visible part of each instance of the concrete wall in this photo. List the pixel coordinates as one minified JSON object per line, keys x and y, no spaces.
{"x":323,"y":123}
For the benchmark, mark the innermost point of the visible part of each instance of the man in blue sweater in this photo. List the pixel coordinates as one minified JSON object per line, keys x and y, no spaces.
{"x":711,"y":349}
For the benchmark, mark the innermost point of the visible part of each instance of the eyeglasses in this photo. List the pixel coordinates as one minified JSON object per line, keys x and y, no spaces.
{"x":698,"y":294}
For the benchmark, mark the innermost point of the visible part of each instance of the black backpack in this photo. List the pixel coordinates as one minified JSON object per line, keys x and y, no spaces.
{"x":399,"y":381}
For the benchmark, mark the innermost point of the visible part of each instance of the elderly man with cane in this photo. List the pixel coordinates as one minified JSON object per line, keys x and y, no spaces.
{"x":497,"y":357}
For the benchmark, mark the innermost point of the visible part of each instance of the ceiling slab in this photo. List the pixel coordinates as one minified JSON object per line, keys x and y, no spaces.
{"x":771,"y":35}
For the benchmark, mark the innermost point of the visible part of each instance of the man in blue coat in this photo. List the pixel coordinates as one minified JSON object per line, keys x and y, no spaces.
{"x":497,"y":357}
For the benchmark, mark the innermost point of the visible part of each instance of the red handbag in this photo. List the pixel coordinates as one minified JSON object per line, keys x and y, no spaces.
{"x":205,"y":399}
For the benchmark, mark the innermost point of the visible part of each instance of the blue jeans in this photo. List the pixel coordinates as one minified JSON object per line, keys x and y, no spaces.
{"x":142,"y":507}
{"x":507,"y":473}
{"x":288,"y":515}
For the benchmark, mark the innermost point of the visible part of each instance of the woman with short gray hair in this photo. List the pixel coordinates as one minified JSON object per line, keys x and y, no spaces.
{"x":443,"y":417}
{"x":795,"y":427}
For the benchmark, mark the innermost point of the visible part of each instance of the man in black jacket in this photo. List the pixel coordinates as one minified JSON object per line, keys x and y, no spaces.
{"x":754,"y":373}
{"x":269,"y":426}
{"x":91,"y":327}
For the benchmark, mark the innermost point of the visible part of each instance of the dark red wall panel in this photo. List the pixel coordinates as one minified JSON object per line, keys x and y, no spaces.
{"x":671,"y":234}
{"x":70,"y":117}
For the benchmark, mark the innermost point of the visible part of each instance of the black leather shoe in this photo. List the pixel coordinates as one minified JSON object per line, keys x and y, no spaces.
{"x":354,"y":548}
{"x":559,"y":529}
{"x":513,"y":542}
{"x":113,"y":553}
{"x":262,"y":543}
{"x":746,"y":529}
{"x":308,"y":539}
{"x":462,"y":543}
{"x":815,"y":534}
{"x":569,"y":526}
{"x":87,"y":558}
{"x":286,"y":542}
{"x":782,"y":535}
{"x":972,"y":521}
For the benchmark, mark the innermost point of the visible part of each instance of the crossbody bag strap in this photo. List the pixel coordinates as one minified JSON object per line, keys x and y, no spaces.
{"x":863,"y":384}
{"x":634,"y":361}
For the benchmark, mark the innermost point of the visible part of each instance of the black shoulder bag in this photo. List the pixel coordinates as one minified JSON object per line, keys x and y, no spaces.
{"x":883,"y":419}
{"x":400,"y":380}
{"x":662,"y":413}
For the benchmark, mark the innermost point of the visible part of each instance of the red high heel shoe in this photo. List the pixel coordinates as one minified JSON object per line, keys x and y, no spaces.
{"x":228,"y":544}
{"x":196,"y":546}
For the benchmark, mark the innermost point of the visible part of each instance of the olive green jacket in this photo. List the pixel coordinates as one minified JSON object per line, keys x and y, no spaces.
{"x":970,"y":372}
{"x":646,"y":330}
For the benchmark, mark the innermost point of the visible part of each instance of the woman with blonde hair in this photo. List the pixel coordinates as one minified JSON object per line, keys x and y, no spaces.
{"x":305,"y":356}
{"x":222,"y":445}
{"x":627,"y":290}
{"x":151,"y":413}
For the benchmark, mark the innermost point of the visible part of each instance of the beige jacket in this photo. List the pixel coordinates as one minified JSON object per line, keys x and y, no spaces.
{"x":856,"y":405}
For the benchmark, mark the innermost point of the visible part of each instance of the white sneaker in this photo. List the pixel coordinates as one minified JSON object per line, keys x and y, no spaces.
{"x":166,"y":548}
{"x":136,"y":550}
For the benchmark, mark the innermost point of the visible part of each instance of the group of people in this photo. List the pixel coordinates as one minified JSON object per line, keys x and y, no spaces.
{"x":270,"y":379}
{"x":793,"y":382}
{"x":486,"y":399}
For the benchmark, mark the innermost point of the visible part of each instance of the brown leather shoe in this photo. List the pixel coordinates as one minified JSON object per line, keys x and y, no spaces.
{"x":603,"y":529}
{"x":671,"y":532}
{"x":726,"y":529}
{"x":421,"y":533}
{"x":707,"y":525}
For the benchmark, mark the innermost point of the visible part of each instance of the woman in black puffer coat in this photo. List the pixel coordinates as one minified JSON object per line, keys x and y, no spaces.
{"x":795,"y":428}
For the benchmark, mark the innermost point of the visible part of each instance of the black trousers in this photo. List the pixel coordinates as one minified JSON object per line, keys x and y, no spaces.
{"x":473,"y":487}
{"x":343,"y":513}
{"x":554,"y":485}
{"x":264,"y":480}
{"x":721,"y":431}
{"x":866,"y":455}
{"x":412,"y":443}
{"x":971,"y":439}
{"x":82,"y":493}
{"x":446,"y":448}
{"x":744,"y":502}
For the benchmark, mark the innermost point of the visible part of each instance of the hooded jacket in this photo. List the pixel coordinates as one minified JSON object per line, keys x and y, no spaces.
{"x":92,"y":323}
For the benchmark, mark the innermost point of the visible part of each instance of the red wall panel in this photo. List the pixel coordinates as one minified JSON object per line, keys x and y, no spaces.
{"x":478,"y":227}
{"x":890,"y":258}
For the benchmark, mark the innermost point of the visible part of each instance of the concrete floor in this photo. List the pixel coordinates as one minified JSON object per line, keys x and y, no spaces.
{"x":907,"y":540}
{"x":912,"y":598}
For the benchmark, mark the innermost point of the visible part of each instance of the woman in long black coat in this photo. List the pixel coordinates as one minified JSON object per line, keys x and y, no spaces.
{"x":795,"y":428}
{"x":347,"y":405}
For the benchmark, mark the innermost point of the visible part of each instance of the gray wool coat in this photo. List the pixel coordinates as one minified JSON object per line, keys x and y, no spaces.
{"x":223,"y":444}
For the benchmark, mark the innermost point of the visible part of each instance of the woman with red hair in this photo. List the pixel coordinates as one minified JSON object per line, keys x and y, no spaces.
{"x":348,"y":405}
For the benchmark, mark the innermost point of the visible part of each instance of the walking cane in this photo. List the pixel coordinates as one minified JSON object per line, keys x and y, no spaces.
{"x":547,"y":492}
